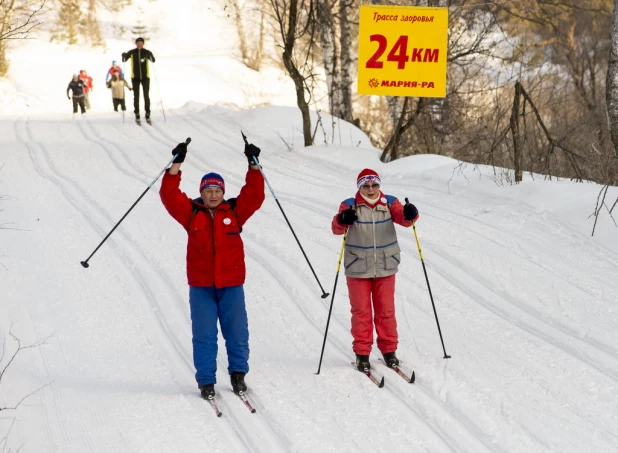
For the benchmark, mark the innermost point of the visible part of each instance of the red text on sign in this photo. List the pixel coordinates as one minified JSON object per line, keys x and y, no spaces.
{"x":406,"y":84}
{"x":399,"y":53}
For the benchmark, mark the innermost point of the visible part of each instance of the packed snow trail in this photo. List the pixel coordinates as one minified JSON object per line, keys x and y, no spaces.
{"x":526,"y":302}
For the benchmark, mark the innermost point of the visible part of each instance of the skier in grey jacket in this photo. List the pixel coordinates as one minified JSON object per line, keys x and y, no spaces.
{"x":372,"y":256}
{"x":117,"y":84}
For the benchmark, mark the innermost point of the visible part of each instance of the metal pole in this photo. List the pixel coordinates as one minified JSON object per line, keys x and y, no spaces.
{"x":85,"y":263}
{"x":324,"y":294}
{"x":418,"y":244}
{"x":330,"y":310}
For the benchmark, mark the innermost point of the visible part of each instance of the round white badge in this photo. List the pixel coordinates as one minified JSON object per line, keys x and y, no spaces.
{"x":227,"y":221}
{"x":383,"y":200}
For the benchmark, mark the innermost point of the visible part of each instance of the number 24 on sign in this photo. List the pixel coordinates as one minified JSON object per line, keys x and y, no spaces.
{"x":399,"y":53}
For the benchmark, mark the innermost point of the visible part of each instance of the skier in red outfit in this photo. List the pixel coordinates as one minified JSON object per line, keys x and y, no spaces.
{"x":372,"y":256}
{"x":215,"y":265}
{"x":83,"y":75}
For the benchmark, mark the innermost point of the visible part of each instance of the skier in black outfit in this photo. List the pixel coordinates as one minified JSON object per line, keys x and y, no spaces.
{"x":140,"y":74}
{"x":77,"y":87}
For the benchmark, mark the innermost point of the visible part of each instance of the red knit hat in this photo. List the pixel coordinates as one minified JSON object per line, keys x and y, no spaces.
{"x":367,"y":175}
{"x":212,"y":180}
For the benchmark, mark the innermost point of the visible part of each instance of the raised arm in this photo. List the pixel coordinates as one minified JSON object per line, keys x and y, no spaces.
{"x":177,"y":203}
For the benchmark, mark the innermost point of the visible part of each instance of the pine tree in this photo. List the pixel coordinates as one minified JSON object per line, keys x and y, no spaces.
{"x":68,"y":22}
{"x":90,"y":26}
{"x":139,"y":30}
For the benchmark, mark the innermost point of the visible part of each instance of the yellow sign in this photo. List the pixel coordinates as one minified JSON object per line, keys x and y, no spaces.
{"x":402,"y":51}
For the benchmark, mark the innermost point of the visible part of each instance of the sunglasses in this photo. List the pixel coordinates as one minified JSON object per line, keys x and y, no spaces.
{"x":370,"y":186}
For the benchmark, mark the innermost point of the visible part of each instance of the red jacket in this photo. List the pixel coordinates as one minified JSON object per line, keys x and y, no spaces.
{"x":215,"y":254}
{"x":88,"y":82}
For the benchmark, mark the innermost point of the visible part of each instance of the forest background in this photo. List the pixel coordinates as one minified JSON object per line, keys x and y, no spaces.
{"x":530,"y":82}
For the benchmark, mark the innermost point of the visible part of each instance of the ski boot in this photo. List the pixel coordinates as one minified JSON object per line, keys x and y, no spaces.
{"x":238,"y":382}
{"x":362,"y":363}
{"x":207,"y":391}
{"x":391,"y":360}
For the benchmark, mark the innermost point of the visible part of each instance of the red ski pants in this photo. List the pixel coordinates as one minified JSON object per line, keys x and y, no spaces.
{"x":380,"y":293}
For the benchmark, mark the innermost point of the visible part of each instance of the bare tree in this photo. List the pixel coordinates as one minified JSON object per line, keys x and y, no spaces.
{"x":612,"y":82}
{"x":251,"y":46}
{"x":347,"y":60}
{"x":17,"y":19}
{"x":326,"y":19}
{"x":295,"y":21}
{"x":570,"y":34}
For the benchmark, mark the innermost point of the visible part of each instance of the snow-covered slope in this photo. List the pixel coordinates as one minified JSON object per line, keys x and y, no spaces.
{"x":525,"y":297}
{"x":526,"y":300}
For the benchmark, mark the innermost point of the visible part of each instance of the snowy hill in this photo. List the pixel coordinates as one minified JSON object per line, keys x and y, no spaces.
{"x":527,"y":301}
{"x":526,"y":298}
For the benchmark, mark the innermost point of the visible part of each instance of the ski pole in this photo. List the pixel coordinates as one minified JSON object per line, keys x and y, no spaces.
{"x":85,"y":263}
{"x":324,"y":294}
{"x":418,"y":244}
{"x":160,"y":98}
{"x":330,"y":310}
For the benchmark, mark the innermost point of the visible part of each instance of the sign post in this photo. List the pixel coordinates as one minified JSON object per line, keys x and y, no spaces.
{"x":402,"y":51}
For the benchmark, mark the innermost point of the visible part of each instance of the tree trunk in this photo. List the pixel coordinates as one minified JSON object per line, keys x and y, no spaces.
{"x":4,"y":61}
{"x":517,"y":151}
{"x":612,"y":82}
{"x":330,"y":56}
{"x":299,"y":81}
{"x":347,"y":62}
{"x":6,"y":16}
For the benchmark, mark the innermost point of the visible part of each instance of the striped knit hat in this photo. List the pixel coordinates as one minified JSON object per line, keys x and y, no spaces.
{"x":367,"y":175}
{"x":212,"y":180}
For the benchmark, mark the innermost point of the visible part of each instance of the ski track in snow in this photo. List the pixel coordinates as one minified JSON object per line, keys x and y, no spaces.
{"x":69,"y":188}
{"x":447,"y":441}
{"x":513,"y":317}
{"x":438,"y":418}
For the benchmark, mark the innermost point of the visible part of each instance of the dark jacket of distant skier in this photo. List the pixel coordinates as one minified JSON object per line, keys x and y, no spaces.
{"x":140,"y":74}
{"x":77,"y":86}
{"x":140,"y":62}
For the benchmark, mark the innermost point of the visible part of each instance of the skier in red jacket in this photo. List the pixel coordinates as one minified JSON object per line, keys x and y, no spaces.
{"x":215,"y":265}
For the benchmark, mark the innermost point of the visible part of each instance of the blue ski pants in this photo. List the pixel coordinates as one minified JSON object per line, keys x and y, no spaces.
{"x":209,"y":304}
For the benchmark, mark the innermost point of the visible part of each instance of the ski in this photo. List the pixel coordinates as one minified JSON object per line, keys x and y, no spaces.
{"x":138,"y":122}
{"x":372,"y":376}
{"x":244,"y":399}
{"x":408,"y":379}
{"x":149,"y":121}
{"x":213,"y":404}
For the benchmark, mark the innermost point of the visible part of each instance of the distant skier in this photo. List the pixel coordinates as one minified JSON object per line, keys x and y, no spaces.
{"x":83,"y":75}
{"x":117,"y":84}
{"x":76,"y":86}
{"x":110,"y":71}
{"x":372,"y":256}
{"x":140,"y":75}
{"x":215,"y":266}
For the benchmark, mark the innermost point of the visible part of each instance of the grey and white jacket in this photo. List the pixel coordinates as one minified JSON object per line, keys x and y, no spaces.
{"x":371,"y":248}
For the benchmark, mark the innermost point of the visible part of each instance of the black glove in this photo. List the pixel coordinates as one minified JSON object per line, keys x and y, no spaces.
{"x":181,"y":150}
{"x":68,"y":97}
{"x":125,"y":56}
{"x":347,"y":217}
{"x":251,"y":151}
{"x":409,"y":211}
